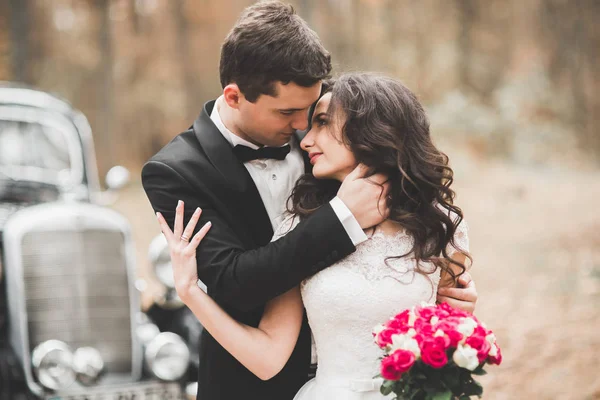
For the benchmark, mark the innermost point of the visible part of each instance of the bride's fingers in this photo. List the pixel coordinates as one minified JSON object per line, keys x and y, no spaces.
{"x":178,"y":226}
{"x":191,"y":248}
{"x":189,"y":228}
{"x":164,"y":227}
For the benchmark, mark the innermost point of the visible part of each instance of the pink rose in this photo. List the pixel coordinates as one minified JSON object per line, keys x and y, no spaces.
{"x":423,"y":327}
{"x":441,"y":313}
{"x":393,"y":366}
{"x":399,"y":325}
{"x":401,"y":318}
{"x":478,"y":342}
{"x":426,"y":313}
{"x":385,"y":337}
{"x":403,"y":360}
{"x":449,"y":327}
{"x":433,"y":353}
{"x":442,"y":341}
{"x":445,"y":307}
{"x":497,"y":359}
{"x":454,"y":336}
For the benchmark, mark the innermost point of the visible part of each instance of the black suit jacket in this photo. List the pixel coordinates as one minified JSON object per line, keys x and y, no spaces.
{"x":236,"y":260}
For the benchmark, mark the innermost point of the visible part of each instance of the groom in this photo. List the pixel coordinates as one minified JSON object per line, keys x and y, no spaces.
{"x":239,"y":162}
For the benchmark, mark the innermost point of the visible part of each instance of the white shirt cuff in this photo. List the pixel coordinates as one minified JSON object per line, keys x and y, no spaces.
{"x":348,"y":221}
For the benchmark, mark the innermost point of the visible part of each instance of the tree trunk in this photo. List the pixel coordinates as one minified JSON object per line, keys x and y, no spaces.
{"x":20,"y":38}
{"x":105,"y":118}
{"x":184,"y":60}
{"x":467,"y":15}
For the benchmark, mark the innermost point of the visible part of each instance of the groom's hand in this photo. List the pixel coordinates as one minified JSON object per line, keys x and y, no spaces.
{"x":366,"y":198}
{"x":463,"y":297}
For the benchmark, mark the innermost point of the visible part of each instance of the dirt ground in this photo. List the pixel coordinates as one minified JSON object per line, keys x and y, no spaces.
{"x":535,"y":239}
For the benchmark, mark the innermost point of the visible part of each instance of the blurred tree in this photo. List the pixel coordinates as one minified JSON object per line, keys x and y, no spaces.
{"x":103,"y":133}
{"x":20,"y":36}
{"x":184,"y":61}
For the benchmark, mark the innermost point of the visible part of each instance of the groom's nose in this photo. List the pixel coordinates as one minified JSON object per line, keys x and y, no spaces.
{"x":300,"y":121}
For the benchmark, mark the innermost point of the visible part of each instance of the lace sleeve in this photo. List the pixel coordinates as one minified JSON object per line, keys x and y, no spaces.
{"x":461,"y":238}
{"x":288,"y":223}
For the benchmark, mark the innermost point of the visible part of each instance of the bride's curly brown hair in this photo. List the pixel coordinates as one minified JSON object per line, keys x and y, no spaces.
{"x":386,"y":128}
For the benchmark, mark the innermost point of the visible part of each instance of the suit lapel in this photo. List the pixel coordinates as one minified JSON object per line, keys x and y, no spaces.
{"x":245,"y":194}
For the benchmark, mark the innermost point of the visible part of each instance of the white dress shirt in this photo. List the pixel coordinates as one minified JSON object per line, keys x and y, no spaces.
{"x":275,"y":180}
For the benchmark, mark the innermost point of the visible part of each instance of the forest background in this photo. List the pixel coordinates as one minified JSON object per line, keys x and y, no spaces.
{"x":511,"y":88}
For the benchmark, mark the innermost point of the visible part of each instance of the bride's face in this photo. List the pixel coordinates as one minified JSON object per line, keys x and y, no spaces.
{"x":330,"y":157}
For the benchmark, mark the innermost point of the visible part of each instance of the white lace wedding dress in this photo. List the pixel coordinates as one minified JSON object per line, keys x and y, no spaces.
{"x":347,"y":300}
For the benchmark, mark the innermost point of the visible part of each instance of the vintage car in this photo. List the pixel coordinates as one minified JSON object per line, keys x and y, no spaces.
{"x":70,"y":320}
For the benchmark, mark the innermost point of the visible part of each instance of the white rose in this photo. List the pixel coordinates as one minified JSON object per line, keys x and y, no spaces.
{"x":378,"y":329}
{"x":412,"y":317}
{"x":466,"y":357}
{"x":439,"y":332}
{"x":491,"y":338}
{"x":405,"y":342}
{"x":434,"y":320}
{"x":467,"y":326}
{"x":493,"y":351}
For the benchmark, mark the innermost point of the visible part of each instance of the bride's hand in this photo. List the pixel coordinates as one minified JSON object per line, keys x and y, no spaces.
{"x":183,"y":249}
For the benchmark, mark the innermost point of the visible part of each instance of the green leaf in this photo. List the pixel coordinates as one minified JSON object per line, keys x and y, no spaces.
{"x":464,"y":397}
{"x":447,"y":395}
{"x":479,"y":371}
{"x":473,"y":388}
{"x":451,"y":377}
{"x":387,"y":387}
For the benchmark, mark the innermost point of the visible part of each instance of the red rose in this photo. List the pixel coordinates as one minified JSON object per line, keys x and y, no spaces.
{"x":441,"y":313}
{"x":400,"y":322}
{"x":403,"y":360}
{"x":423,"y":327}
{"x":442,"y":341}
{"x":479,"y":343}
{"x":454,"y":337}
{"x":433,"y":353}
{"x":426,"y":313}
{"x":448,"y":326}
{"x":497,"y":359}
{"x":388,"y":369}
{"x":402,"y":318}
{"x":460,"y":313}
{"x":385,"y":337}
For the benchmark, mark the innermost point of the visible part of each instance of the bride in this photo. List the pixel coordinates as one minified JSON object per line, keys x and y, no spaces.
{"x":373,"y":121}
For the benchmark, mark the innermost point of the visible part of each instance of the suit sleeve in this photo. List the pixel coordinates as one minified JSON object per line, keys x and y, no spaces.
{"x":235,"y":276}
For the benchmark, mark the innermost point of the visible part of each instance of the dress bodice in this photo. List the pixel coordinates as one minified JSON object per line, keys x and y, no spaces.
{"x":347,"y":300}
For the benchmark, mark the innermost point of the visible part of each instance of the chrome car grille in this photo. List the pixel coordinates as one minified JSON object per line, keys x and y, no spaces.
{"x":71,"y":280}
{"x":76,"y":290}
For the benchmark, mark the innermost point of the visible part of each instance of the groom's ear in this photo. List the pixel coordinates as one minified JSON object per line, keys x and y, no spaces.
{"x":232,"y":95}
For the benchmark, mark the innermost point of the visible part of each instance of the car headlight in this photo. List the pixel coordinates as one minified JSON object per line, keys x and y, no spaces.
{"x":52,"y":363}
{"x":167,"y":356}
{"x":88,"y":365}
{"x":160,"y":258}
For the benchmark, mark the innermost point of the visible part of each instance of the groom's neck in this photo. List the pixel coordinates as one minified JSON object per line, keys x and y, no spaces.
{"x":227,"y":115}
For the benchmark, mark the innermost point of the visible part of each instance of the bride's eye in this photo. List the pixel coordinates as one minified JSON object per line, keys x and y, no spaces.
{"x":320,"y":121}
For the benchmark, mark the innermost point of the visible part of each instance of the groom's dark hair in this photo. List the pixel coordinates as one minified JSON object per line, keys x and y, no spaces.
{"x":271,"y":43}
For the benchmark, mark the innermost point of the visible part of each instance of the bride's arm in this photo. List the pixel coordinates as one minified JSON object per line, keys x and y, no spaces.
{"x":263,"y":350}
{"x":459,"y":293}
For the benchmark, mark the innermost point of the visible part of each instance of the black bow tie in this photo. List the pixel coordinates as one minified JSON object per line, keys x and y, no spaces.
{"x":245,"y":154}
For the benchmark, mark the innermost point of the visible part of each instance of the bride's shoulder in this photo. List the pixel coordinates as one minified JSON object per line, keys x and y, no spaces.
{"x":461,"y":235}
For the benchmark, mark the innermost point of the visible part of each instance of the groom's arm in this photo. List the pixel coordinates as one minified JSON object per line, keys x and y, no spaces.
{"x":244,"y":278}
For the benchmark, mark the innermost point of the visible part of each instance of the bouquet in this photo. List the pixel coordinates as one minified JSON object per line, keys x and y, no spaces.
{"x":432,"y":353}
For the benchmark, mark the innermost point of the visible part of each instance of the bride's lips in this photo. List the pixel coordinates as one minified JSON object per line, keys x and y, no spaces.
{"x":313,"y":157}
